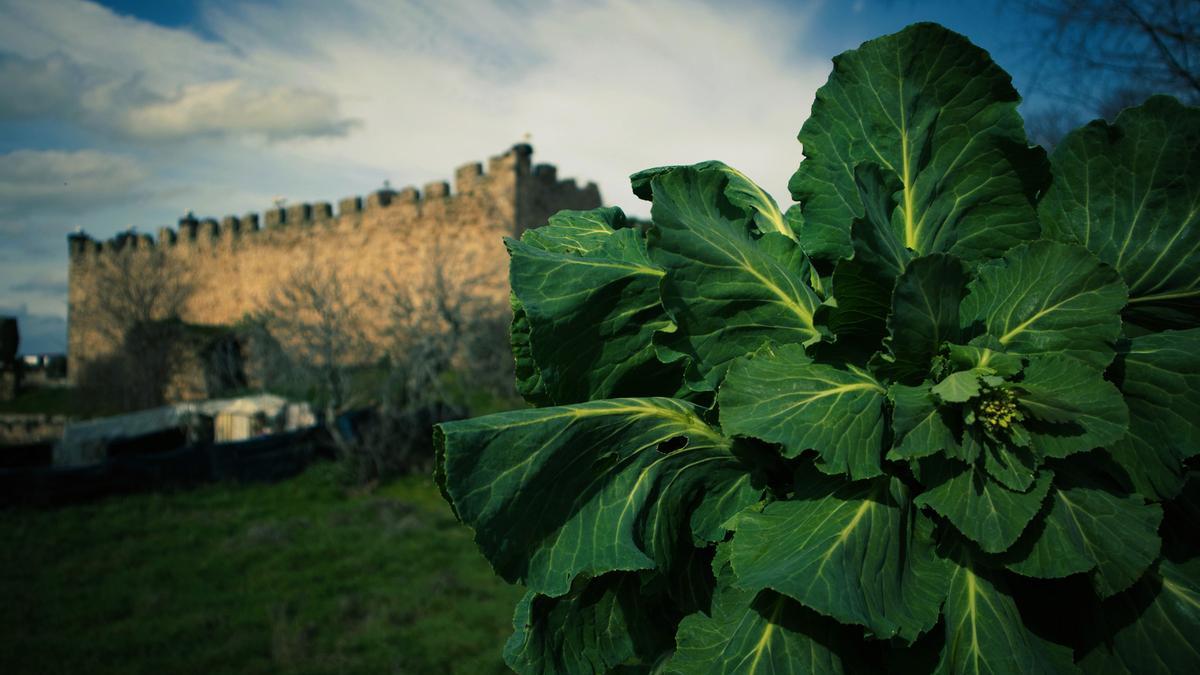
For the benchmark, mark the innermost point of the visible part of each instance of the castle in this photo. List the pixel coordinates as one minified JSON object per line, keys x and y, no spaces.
{"x":235,"y":265}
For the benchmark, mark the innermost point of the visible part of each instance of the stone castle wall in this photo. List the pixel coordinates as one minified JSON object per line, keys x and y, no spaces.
{"x":237,"y":264}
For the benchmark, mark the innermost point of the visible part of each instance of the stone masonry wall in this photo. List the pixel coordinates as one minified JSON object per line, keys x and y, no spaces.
{"x":236,"y":265}
{"x":19,"y":429}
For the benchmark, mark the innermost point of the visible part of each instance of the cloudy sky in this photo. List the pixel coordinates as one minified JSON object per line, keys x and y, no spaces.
{"x":129,"y":113}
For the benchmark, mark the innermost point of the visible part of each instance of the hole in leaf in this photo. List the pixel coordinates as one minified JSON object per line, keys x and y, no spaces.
{"x":672,"y":444}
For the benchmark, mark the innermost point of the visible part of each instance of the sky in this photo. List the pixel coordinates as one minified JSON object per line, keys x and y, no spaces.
{"x":129,"y":113}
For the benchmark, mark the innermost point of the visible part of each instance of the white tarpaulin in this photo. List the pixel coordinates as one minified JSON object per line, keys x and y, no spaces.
{"x":236,"y":419}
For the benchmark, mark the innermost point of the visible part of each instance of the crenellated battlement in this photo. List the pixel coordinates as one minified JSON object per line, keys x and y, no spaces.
{"x":236,"y":262}
{"x":408,"y":204}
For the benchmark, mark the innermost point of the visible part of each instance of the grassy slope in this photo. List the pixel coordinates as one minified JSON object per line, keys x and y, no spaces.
{"x":50,"y":401}
{"x":293,"y":578}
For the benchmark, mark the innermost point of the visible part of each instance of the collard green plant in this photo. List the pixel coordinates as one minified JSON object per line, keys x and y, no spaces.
{"x":939,"y":416}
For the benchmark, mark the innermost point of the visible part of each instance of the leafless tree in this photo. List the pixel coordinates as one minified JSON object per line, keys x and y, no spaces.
{"x":443,"y":334}
{"x":133,"y":286}
{"x":313,"y":331}
{"x":415,"y":340}
{"x":1097,"y":57}
{"x":437,"y":317}
{"x":135,"y":306}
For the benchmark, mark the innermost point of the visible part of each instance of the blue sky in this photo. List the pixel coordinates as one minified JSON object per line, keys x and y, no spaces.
{"x":129,"y":113}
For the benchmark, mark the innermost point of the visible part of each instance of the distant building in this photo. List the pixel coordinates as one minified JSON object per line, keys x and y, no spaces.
{"x":44,"y":370}
{"x":234,"y":265}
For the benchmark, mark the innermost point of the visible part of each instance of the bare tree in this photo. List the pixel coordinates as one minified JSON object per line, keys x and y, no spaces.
{"x":1153,"y":44}
{"x":1098,"y":57}
{"x":445,"y":335}
{"x":134,"y":310}
{"x":409,"y":345}
{"x":133,"y":286}
{"x":440,"y":317}
{"x":313,"y":328}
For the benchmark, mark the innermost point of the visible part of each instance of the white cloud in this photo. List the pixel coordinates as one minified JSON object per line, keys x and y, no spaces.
{"x":232,"y":106}
{"x":49,"y":284}
{"x":143,"y":82}
{"x":55,"y":86}
{"x":605,"y":88}
{"x":115,"y":46}
{"x":261,"y":104}
{"x":37,"y":87}
{"x":65,"y":181}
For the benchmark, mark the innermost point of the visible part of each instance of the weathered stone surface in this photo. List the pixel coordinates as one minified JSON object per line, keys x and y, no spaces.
{"x":298,"y":213}
{"x":546,"y":173}
{"x":468,"y":176}
{"x":438,"y":189}
{"x":19,"y":429}
{"x":274,"y":217}
{"x":391,"y":234}
{"x":379,"y":199}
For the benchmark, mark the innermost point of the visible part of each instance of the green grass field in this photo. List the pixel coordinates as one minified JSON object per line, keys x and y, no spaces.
{"x":50,"y":401}
{"x":298,"y":577}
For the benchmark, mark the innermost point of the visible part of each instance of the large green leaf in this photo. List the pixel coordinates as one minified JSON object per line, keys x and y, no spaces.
{"x":859,"y":311}
{"x":739,"y":189}
{"x":794,"y":219}
{"x":958,"y":387}
{"x":985,"y":511}
{"x":592,"y":315}
{"x":757,"y":633}
{"x":1086,"y":528}
{"x":876,"y":243}
{"x":1159,"y":375}
{"x":529,"y":381}
{"x":857,"y":552}
{"x":919,"y":426}
{"x":780,"y":396}
{"x":606,"y":622}
{"x":1047,"y":298}
{"x":1130,"y":192}
{"x":586,"y":488}
{"x":727,"y":290}
{"x":1069,"y":407}
{"x":984,"y":359}
{"x":862,"y":286}
{"x":1009,"y":464}
{"x":933,"y":111}
{"x":1154,"y":627}
{"x":689,"y":582}
{"x":924,"y":313}
{"x":985,"y":634}
{"x":579,"y":232}
{"x":710,"y":520}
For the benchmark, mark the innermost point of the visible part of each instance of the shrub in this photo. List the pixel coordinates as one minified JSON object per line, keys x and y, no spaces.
{"x":936,"y":416}
{"x":383,"y":443}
